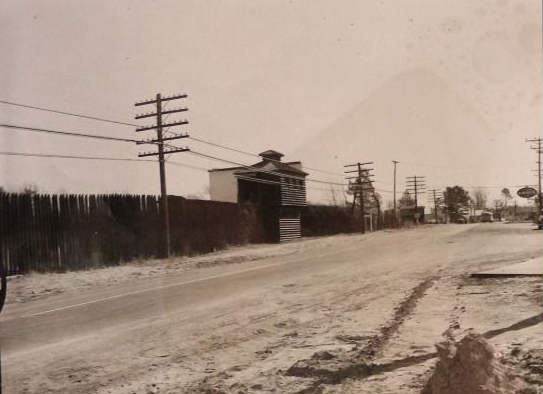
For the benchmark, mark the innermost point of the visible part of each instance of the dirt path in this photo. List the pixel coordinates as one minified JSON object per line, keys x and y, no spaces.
{"x":358,"y":314}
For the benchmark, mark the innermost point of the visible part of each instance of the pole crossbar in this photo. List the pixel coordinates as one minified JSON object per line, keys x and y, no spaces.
{"x":160,"y":139}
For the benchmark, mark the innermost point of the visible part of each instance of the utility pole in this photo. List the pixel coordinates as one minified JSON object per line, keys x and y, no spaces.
{"x":416,"y":185}
{"x":160,"y":142}
{"x":359,"y":187}
{"x":395,"y":211}
{"x":437,"y":201}
{"x":538,"y":149}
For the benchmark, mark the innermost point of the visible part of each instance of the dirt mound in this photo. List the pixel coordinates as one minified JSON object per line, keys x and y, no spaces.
{"x":470,"y":366}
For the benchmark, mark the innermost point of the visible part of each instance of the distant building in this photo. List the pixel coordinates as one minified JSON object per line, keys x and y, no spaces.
{"x":412,"y":215}
{"x":276,"y":188}
{"x":487,"y":216}
{"x":481,"y":215}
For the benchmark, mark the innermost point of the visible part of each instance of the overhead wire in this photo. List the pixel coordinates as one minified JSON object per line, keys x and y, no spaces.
{"x":267,"y":181}
{"x":108,"y":138}
{"x":75,"y":134}
{"x":108,"y":158}
{"x":105,"y":158}
{"x":66,"y":133}
{"x":274,"y":172}
{"x":136,"y":125}
{"x":58,"y":156}
{"x":86,"y":135}
{"x":101,"y":137}
{"x":66,"y":113}
{"x":101,"y":119}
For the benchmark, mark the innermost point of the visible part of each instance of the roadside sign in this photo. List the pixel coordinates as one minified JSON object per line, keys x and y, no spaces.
{"x":527,"y":192}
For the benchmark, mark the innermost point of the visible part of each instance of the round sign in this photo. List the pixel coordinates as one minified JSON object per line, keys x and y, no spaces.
{"x":527,"y":192}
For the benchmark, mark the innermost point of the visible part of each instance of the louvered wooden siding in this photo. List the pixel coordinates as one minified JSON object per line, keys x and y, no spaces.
{"x":293,"y":194}
{"x":289,"y":229}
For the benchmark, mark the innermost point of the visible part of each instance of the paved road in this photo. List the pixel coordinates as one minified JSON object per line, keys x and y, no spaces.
{"x":109,"y":339}
{"x":76,"y":315}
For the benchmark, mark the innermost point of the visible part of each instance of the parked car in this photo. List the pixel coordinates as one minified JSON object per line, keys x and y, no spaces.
{"x":487,"y":217}
{"x":461,"y":219}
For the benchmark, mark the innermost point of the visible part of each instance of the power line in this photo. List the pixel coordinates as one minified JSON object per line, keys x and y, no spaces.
{"x":105,"y":158}
{"x":7,"y":153}
{"x":256,"y":155}
{"x":190,"y":166}
{"x":102,"y":137}
{"x":101,"y":119}
{"x":266,"y":181}
{"x":85,"y":135}
{"x":223,"y":146}
{"x":66,"y":133}
{"x":249,"y":167}
{"x":66,"y":113}
{"x":136,"y":125}
{"x":244,"y":165}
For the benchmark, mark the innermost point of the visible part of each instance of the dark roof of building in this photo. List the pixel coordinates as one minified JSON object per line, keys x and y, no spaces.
{"x":279,"y":166}
{"x":271,"y":152}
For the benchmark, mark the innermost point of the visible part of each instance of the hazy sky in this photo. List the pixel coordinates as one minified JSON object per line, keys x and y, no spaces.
{"x":449,"y":88}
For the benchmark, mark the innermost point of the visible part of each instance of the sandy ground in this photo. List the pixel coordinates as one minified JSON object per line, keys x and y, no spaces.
{"x":362,"y":315}
{"x":24,"y":288}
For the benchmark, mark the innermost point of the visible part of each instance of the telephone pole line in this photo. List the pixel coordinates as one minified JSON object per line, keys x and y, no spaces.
{"x":415,"y":184}
{"x":437,"y":198}
{"x":538,"y":149}
{"x":159,"y":142}
{"x":360,"y":185}
{"x":395,"y":211}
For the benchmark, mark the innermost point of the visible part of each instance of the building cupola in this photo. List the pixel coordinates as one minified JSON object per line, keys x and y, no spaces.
{"x":271,"y":155}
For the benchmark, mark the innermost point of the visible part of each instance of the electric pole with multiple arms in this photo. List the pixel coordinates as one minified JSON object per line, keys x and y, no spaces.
{"x":437,"y":199}
{"x":159,"y":142}
{"x":360,"y":185}
{"x":395,"y":210}
{"x":538,"y":147}
{"x":415,"y":184}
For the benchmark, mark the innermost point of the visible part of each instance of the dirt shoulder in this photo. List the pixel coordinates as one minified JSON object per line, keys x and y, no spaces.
{"x":35,"y":286}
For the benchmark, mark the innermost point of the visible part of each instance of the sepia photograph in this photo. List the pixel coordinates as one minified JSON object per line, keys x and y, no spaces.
{"x":271,"y":196}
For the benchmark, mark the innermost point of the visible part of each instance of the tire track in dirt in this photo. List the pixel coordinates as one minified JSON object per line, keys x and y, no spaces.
{"x":365,"y":368}
{"x":291,"y":333}
{"x":334,"y":367}
{"x":369,"y":369}
{"x":261,"y":326}
{"x":402,"y":312}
